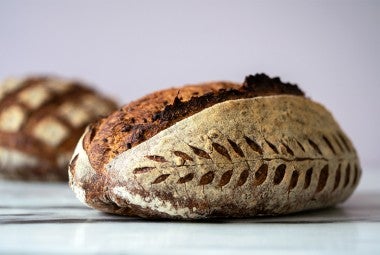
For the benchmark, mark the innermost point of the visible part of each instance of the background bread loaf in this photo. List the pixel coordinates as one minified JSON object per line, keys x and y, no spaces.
{"x":41,"y":119}
{"x":260,"y":148}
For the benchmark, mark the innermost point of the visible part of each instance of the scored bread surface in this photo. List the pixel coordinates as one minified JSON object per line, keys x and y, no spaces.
{"x":41,"y":119}
{"x":264,"y":155}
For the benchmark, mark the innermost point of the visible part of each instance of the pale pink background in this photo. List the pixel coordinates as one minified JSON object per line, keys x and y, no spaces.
{"x":129,"y":48}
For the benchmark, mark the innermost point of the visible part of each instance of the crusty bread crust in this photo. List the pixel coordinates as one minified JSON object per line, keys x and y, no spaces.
{"x":140,"y":120}
{"x":41,"y":120}
{"x":240,"y":157}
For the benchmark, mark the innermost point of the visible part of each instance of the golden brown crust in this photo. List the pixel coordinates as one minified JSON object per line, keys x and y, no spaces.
{"x":41,"y":118}
{"x":266,"y":155}
{"x":113,"y":135}
{"x":142,"y":119}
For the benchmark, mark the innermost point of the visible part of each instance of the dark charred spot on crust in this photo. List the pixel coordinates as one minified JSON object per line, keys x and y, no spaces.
{"x":126,"y":128}
{"x":257,"y":85}
{"x":261,"y":83}
{"x":155,"y":116}
{"x":138,"y":133}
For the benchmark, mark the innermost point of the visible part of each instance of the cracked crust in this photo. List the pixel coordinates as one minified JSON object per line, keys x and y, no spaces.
{"x":142,"y":119}
{"x":41,"y":120}
{"x":268,"y":154}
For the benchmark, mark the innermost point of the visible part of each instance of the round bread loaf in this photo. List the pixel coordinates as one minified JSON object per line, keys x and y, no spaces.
{"x":41,"y":120}
{"x":216,"y":150}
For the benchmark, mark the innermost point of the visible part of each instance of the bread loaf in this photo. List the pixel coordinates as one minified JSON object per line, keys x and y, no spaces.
{"x":216,"y":150}
{"x":41,"y":120}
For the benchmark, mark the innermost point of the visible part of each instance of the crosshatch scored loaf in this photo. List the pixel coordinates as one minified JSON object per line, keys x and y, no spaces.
{"x":215,"y":150}
{"x":41,"y":120}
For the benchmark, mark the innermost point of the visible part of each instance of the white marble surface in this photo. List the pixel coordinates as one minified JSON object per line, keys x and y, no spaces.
{"x":40,"y":218}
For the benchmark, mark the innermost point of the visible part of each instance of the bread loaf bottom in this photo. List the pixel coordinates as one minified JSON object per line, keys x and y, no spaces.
{"x":266,"y":155}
